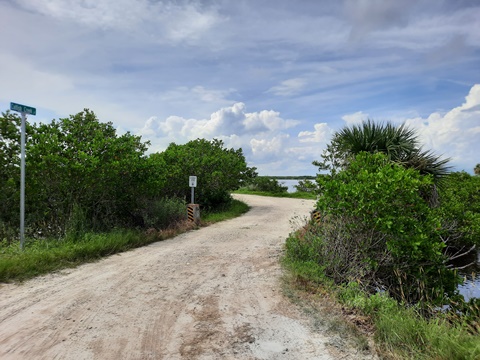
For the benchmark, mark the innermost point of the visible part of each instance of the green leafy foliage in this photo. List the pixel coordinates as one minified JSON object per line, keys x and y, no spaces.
{"x":460,"y":209}
{"x":306,"y":185}
{"x":163,"y":212}
{"x":82,"y":176}
{"x":378,"y":230}
{"x":79,"y":165}
{"x":399,"y":143}
{"x":266,"y":184}
{"x":9,"y":173}
{"x":219,"y":170}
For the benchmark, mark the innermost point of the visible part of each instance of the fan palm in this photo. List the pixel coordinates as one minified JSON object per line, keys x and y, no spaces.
{"x":399,"y":143}
{"x":476,"y":170}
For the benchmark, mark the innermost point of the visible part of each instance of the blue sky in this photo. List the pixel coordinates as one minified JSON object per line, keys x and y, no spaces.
{"x":274,"y":77}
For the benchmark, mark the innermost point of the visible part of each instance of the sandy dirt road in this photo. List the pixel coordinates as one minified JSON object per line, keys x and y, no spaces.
{"x":212,"y":293}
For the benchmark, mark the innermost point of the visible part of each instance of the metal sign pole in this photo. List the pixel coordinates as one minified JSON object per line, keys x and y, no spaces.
{"x":22,"y":183}
{"x":24,"y":110}
{"x":192,"y":180}
{"x":193,"y":210}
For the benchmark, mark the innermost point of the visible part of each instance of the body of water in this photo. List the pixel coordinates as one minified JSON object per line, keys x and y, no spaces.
{"x":471,"y":286}
{"x":290,"y":183}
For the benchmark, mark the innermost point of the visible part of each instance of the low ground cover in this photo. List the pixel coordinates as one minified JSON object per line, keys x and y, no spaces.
{"x":52,"y":254}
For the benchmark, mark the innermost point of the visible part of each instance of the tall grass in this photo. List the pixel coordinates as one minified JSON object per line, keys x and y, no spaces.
{"x":231,"y":210}
{"x":404,"y":332}
{"x":400,"y":332}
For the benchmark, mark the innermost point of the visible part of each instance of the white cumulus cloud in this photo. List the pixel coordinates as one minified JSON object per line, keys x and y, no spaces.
{"x":455,"y":134}
{"x":263,"y":135}
{"x":321,"y":134}
{"x":355,"y":118}
{"x":230,"y":122}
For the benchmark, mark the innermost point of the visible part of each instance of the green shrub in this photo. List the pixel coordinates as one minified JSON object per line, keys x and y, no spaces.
{"x":306,"y":186}
{"x":162,"y":213}
{"x":379,"y":231}
{"x":460,"y":209}
{"x":404,"y":332}
{"x":266,"y":184}
{"x":81,"y":174}
{"x":219,"y":171}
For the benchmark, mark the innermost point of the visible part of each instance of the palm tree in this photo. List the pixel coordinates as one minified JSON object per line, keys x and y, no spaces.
{"x":399,"y":143}
{"x":476,"y":170}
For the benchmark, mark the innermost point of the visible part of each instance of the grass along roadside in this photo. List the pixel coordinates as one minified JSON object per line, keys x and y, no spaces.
{"x":398,"y":332}
{"x":327,"y":316}
{"x":234,"y":209}
{"x":48,"y":255}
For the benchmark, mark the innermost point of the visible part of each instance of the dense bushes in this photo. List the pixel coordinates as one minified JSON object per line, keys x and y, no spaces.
{"x":82,"y":176}
{"x":9,"y":174}
{"x":79,"y":166}
{"x":460,"y":209}
{"x":218,"y":170}
{"x":266,"y":184}
{"x":377,"y":230}
{"x":163,"y":212}
{"x":384,"y":222}
{"x":388,"y":225}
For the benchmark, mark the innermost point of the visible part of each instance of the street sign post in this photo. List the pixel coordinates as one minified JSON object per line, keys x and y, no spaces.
{"x":193,"y":210}
{"x":23,"y":109}
{"x":192,"y":180}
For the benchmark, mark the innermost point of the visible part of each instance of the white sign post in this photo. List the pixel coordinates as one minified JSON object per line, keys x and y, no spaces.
{"x":32,"y":111}
{"x":192,"y":180}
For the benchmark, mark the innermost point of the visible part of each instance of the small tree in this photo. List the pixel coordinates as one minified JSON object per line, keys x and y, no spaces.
{"x":460,"y":211}
{"x":378,"y":230}
{"x":306,"y":186}
{"x":80,"y":170}
{"x":219,"y":170}
{"x":267,"y":184}
{"x":476,"y":170}
{"x":399,"y":143}
{"x":9,"y":175}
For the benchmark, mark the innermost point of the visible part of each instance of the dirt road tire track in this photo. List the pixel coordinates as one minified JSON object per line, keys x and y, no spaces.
{"x":212,"y":293}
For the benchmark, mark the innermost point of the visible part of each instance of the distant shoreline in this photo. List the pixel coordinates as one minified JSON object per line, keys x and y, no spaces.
{"x":302,"y":177}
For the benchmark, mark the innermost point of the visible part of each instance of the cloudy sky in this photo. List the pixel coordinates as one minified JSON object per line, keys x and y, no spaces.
{"x":274,"y":77}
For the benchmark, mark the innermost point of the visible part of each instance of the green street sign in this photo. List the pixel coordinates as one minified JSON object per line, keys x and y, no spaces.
{"x":23,"y":108}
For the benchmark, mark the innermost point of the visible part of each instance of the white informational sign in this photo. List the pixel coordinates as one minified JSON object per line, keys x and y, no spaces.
{"x":192,"y":181}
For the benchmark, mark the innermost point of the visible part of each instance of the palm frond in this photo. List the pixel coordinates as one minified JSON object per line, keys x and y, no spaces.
{"x":399,"y":143}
